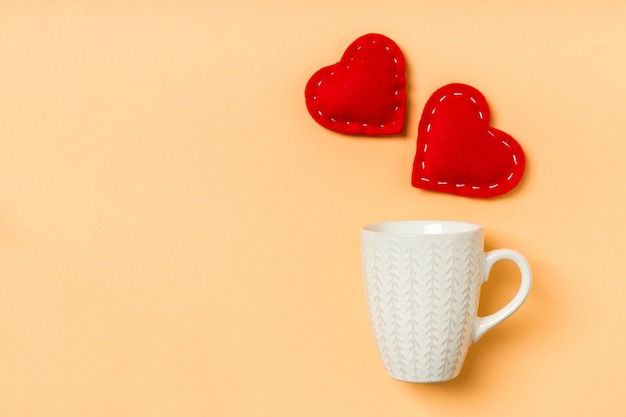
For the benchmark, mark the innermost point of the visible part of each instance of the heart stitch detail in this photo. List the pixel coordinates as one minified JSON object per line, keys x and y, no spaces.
{"x":365,"y":92}
{"x":458,"y":152}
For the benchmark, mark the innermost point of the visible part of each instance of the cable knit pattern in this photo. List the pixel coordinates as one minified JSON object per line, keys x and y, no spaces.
{"x":422,"y":296}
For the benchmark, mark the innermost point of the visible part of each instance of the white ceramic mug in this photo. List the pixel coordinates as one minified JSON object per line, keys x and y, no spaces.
{"x":423,"y":282}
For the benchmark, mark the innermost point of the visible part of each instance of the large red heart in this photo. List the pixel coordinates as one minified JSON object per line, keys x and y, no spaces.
{"x":458,"y":152}
{"x":365,"y":92}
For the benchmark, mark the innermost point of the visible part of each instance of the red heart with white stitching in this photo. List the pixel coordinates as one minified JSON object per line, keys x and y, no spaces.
{"x":458,"y":152}
{"x":365,"y":92}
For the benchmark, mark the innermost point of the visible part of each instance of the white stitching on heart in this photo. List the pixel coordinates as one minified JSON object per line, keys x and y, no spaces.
{"x":481,"y":116}
{"x":347,"y":66}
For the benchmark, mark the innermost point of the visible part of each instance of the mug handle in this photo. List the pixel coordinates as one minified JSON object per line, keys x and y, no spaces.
{"x":483,"y":324}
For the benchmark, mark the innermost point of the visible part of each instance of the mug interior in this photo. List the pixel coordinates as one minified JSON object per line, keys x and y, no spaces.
{"x":422,"y":227}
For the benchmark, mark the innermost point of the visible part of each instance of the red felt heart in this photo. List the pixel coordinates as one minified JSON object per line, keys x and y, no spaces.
{"x":365,"y":92}
{"x":458,"y":152}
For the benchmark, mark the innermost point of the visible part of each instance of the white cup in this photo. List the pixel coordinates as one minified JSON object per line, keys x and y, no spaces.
{"x":423,"y":282}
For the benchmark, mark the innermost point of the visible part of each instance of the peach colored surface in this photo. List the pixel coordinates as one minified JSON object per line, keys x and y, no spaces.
{"x":179,"y":238}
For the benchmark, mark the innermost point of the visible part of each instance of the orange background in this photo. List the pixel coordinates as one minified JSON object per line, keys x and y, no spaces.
{"x":179,"y":238}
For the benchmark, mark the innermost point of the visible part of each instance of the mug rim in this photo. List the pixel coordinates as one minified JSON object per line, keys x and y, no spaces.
{"x":415,"y":228}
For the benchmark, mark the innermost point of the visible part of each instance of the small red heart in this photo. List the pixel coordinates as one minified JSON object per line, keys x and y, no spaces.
{"x":458,"y":152}
{"x":365,"y":92}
